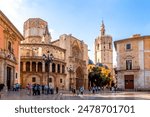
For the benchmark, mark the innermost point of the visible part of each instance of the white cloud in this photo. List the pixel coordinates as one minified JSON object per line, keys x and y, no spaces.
{"x":13,"y":9}
{"x":18,"y":11}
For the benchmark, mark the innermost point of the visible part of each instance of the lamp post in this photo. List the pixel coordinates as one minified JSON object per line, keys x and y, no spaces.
{"x":48,"y":59}
{"x":70,"y":69}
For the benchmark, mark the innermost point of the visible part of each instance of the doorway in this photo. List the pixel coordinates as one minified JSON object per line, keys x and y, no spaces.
{"x":9,"y":78}
{"x":79,"y":78}
{"x":129,"y":81}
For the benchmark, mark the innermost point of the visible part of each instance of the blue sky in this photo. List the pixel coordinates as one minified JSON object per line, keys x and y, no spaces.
{"x":82,"y":18}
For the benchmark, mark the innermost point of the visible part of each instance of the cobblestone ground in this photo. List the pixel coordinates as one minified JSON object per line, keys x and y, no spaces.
{"x":67,"y":95}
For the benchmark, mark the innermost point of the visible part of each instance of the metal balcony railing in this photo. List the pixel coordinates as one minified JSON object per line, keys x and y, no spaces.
{"x":134,"y":68}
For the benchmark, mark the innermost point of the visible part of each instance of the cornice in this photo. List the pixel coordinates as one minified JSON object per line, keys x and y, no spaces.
{"x":7,"y":25}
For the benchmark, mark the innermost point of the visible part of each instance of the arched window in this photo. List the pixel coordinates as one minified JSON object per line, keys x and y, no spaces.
{"x":34,"y":66}
{"x":39,"y":67}
{"x":61,"y":80}
{"x":97,"y":46}
{"x":28,"y":66}
{"x":109,"y":45}
{"x":63,"y":69}
{"x":49,"y":79}
{"x":53,"y":67}
{"x":58,"y":68}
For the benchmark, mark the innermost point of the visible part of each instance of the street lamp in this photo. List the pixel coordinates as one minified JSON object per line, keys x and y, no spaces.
{"x":48,"y":59}
{"x":70,"y":69}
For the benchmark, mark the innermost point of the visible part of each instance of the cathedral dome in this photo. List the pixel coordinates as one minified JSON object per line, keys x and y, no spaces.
{"x":99,"y":64}
{"x":106,"y":67}
{"x":90,"y":62}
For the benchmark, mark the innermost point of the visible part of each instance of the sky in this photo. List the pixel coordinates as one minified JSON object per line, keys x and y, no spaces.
{"x":83,"y":18}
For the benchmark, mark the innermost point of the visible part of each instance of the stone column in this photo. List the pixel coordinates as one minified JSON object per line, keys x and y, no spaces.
{"x":60,"y":68}
{"x":24,"y":66}
{"x":56,"y":68}
{"x":43,"y":66}
{"x":5,"y":76}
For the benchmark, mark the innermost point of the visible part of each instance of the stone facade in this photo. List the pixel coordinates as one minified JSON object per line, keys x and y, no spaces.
{"x":10,"y":39}
{"x":69,"y":67}
{"x":133,"y":66}
{"x":103,"y":49}
{"x":77,"y":57}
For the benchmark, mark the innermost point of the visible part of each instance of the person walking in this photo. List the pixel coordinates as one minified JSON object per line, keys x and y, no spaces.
{"x":81,"y":90}
{"x":56,"y":90}
{"x":42,"y":88}
{"x":93,"y":89}
{"x":17,"y":86}
{"x":46,"y":89}
{"x":38,"y":89}
{"x":14,"y":87}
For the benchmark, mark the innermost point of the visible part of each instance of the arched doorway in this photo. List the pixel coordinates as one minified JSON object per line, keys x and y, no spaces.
{"x":32,"y":79}
{"x":9,"y":78}
{"x":79,"y":78}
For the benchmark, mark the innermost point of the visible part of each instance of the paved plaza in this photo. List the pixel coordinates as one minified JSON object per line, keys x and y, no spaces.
{"x":67,"y":95}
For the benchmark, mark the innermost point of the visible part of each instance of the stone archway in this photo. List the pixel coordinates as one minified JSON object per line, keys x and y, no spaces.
{"x":32,"y":79}
{"x":79,"y":78}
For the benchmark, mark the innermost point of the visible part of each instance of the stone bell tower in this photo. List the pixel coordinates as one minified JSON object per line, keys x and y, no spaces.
{"x":103,"y":48}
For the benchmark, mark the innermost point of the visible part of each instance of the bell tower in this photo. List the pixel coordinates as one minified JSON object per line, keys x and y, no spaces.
{"x":103,"y":48}
{"x":102,"y":29}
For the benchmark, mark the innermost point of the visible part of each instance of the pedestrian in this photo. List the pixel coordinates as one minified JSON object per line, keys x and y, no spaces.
{"x":99,"y":89}
{"x":42,"y":89}
{"x":46,"y":89}
{"x":112,"y":89}
{"x":89,"y":89}
{"x":115,"y":88}
{"x":73,"y":91}
{"x":38,"y":89}
{"x":27,"y":88}
{"x":93,"y":89}
{"x":14,"y":87}
{"x":17,"y":86}
{"x":56,"y":90}
{"x":34,"y":89}
{"x":81,"y":90}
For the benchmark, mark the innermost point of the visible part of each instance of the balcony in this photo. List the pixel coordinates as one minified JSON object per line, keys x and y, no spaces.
{"x":5,"y":54}
{"x":39,"y":58}
{"x":134,"y":68}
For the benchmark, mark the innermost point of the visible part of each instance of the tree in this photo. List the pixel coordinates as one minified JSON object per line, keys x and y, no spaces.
{"x":99,"y":76}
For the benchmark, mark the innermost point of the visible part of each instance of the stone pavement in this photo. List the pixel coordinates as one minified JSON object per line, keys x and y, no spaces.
{"x":67,"y":95}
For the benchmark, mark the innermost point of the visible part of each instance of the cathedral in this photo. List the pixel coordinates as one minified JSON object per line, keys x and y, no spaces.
{"x":61,"y":63}
{"x":103,"y":49}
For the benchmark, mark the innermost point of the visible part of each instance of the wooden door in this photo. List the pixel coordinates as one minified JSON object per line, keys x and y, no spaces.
{"x":129,"y":81}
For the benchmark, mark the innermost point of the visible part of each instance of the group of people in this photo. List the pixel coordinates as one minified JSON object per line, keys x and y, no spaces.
{"x":37,"y":89}
{"x":16,"y":87}
{"x":95,"y":89}
{"x":80,"y":91}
